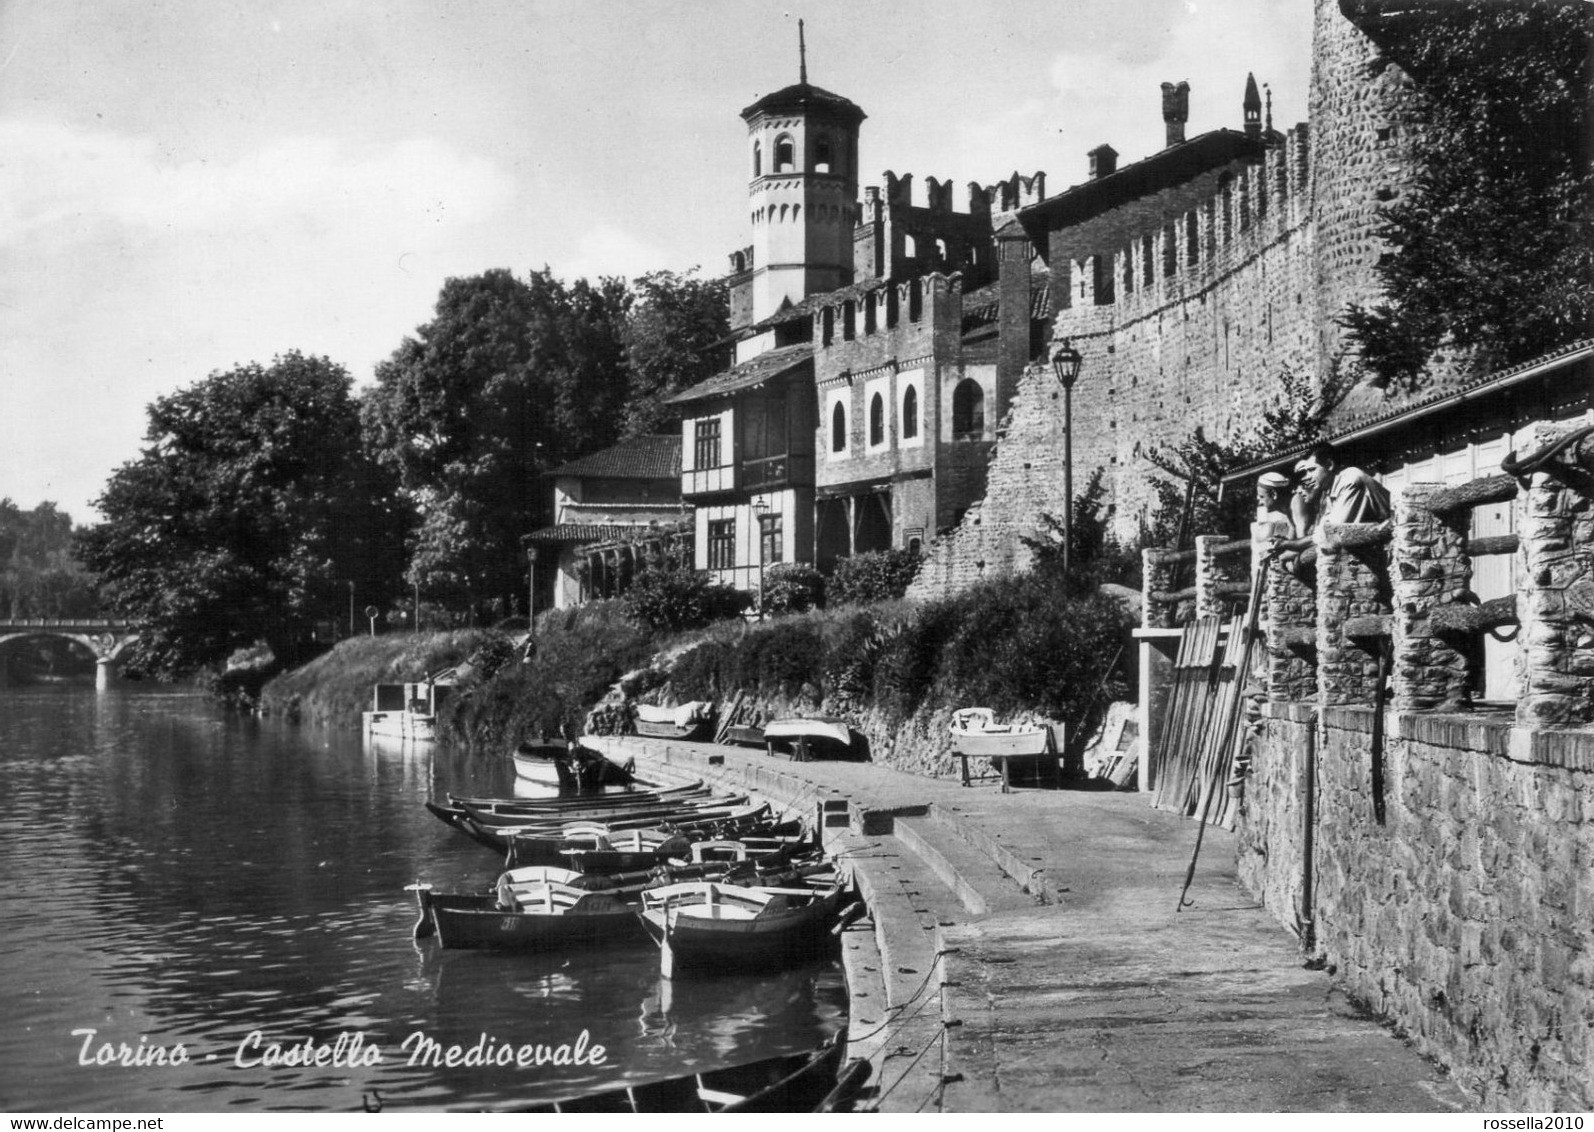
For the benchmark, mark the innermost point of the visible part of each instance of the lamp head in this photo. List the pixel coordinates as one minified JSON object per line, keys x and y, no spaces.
{"x":1065,"y":363}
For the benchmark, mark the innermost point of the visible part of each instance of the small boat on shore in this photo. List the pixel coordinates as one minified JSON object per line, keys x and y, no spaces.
{"x":812,"y":1081}
{"x":1030,"y":746}
{"x":616,"y":799}
{"x":810,"y":738}
{"x":707,"y":925}
{"x":684,"y":721}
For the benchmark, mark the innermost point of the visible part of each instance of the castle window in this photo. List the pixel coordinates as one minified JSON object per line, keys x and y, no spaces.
{"x":940,"y":251}
{"x":1192,"y":238}
{"x":1147,"y":260}
{"x":1170,"y":253}
{"x":910,"y":246}
{"x":828,"y":331}
{"x":910,"y":413}
{"x":869,"y":314}
{"x":968,"y":410}
{"x":1212,"y":229}
{"x":838,"y":428}
{"x":758,"y":160}
{"x":915,"y":301}
{"x":849,"y":320}
{"x":877,"y":421}
{"x":1129,"y":269}
{"x":822,"y":158}
{"x":785,"y":154}
{"x":891,"y":307}
{"x":721,"y":544}
{"x":706,"y":444}
{"x":1101,"y":277}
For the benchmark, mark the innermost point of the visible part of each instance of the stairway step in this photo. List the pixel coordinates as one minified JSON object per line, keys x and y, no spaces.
{"x":976,"y":880}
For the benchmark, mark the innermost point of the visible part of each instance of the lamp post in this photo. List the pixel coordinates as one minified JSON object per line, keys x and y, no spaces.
{"x":760,"y":509}
{"x":1066,"y":362}
{"x":351,"y":607}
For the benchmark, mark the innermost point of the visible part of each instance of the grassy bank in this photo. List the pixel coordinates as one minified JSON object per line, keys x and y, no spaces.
{"x":1023,"y":646}
{"x":335,"y":688}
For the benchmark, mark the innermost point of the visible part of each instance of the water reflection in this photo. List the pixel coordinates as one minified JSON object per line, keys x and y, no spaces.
{"x":177,"y":875}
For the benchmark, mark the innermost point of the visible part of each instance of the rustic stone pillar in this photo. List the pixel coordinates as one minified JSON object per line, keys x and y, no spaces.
{"x":1218,"y":576}
{"x":1428,"y":568}
{"x":1352,"y":581}
{"x":1555,"y":657}
{"x":1290,"y":607}
{"x":1157,"y":577}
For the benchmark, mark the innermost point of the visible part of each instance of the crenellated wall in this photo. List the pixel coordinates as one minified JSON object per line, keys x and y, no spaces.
{"x":1198,"y":338}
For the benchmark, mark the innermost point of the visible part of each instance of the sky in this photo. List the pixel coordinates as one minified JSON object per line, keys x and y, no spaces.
{"x":190,"y":185}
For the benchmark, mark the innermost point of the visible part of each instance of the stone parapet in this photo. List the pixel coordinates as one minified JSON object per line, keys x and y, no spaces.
{"x":1429,"y":568}
{"x":1157,"y":575}
{"x":1352,"y":581}
{"x":1555,"y":656}
{"x":1290,"y":609}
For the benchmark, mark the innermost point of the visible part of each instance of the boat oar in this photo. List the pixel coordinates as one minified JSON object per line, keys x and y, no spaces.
{"x":1242,"y":677}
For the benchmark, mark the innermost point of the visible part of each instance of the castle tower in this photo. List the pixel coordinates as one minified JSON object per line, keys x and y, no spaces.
{"x":1252,"y":107}
{"x":1359,"y":110}
{"x":803,"y":153}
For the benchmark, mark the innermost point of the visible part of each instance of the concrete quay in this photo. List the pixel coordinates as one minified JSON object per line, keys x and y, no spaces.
{"x":1025,"y":952}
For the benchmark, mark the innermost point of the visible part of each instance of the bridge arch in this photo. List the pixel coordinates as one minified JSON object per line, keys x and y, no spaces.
{"x":107,"y":640}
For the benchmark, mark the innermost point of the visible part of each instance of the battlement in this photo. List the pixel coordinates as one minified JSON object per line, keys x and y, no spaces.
{"x":862,"y":313}
{"x":1015,"y":192}
{"x":740,"y":261}
{"x":1185,"y":236}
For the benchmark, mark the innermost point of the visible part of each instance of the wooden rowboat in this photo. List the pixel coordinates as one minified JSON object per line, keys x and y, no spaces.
{"x":811,"y":1081}
{"x":976,"y":734}
{"x":706,"y":925}
{"x":552,"y":806}
{"x":541,"y":916}
{"x":567,"y":767}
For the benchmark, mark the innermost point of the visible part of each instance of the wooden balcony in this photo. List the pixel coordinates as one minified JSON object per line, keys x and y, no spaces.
{"x":785,"y":470}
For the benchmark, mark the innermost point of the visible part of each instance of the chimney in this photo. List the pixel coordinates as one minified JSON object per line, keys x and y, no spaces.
{"x":1103,"y":160}
{"x":1175,"y":110}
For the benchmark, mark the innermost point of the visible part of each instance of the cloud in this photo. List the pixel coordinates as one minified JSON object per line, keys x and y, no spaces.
{"x":66,"y":183}
{"x":607,"y":250}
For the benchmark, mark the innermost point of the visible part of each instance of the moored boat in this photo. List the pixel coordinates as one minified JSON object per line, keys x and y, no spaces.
{"x":811,"y":1081}
{"x":567,"y":767}
{"x":532,"y":916}
{"x":408,"y":711}
{"x":707,"y":925}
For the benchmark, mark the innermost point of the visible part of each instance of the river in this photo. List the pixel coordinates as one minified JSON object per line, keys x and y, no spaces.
{"x":173,"y":875}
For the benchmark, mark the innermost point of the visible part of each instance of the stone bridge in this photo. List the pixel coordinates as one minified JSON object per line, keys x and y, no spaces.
{"x":107,"y":640}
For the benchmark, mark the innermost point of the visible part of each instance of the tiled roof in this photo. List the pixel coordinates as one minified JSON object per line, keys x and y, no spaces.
{"x":1359,"y":418}
{"x":767,"y":366}
{"x":813,"y":304}
{"x":645,"y":458}
{"x":982,"y":306}
{"x":574,"y":534}
{"x":803,"y":97}
{"x":1167,"y":167}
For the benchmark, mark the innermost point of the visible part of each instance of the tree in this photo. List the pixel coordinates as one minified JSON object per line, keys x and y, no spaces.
{"x":674,"y":321}
{"x":1194,"y":468}
{"x":509,"y":379}
{"x":251,"y":508}
{"x":1492,"y":247}
{"x":39,"y":577}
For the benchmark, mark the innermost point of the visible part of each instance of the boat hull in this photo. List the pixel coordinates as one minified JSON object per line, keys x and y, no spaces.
{"x":651,"y":730}
{"x":400,"y":725}
{"x":770,"y":941}
{"x":990,"y":745}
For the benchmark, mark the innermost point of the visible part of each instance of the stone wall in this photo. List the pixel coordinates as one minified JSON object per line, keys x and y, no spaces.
{"x":1463,"y":917}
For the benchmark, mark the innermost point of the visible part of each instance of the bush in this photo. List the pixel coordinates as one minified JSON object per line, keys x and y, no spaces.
{"x":670,"y":601}
{"x":879,"y":575}
{"x":792,"y":587}
{"x":576,"y":661}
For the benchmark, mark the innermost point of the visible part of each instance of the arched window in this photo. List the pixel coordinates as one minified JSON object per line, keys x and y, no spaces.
{"x":968,"y":410}
{"x":877,"y":420}
{"x":940,"y":251}
{"x":758,"y":159}
{"x":822,"y":155}
{"x":785,"y":154}
{"x":838,"y":428}
{"x":828,"y":327}
{"x":910,"y":413}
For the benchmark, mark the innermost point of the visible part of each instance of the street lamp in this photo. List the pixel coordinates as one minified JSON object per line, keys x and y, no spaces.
{"x":760,"y":509}
{"x":1066,"y":362}
{"x":351,"y":607}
